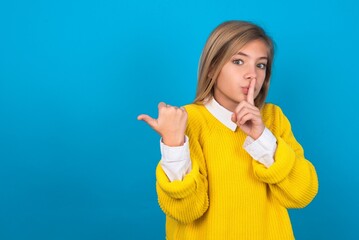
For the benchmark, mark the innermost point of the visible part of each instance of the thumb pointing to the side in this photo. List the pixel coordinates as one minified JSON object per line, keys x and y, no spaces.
{"x":149,"y":120}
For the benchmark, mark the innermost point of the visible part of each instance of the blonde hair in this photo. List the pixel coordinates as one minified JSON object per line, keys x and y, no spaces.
{"x":224,"y":41}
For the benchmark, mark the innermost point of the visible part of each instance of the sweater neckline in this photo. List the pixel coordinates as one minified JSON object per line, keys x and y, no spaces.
{"x":220,"y":113}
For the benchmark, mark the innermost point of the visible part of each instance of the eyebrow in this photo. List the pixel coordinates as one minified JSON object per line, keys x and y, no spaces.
{"x":246,"y":55}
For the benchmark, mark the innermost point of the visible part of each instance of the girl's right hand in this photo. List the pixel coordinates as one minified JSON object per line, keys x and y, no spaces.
{"x":170,"y":124}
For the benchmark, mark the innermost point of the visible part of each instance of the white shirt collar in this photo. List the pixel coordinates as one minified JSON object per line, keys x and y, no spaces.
{"x":222,"y":114}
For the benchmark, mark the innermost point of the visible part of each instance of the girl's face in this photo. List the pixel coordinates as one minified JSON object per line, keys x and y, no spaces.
{"x":236,"y":75}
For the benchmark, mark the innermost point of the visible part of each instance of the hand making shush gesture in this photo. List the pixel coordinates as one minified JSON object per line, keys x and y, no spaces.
{"x":247,"y":116}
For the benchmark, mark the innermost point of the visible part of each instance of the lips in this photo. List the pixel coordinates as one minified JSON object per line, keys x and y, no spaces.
{"x":245,"y":90}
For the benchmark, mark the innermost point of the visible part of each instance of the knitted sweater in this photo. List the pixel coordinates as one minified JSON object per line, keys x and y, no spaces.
{"x":228,"y":195}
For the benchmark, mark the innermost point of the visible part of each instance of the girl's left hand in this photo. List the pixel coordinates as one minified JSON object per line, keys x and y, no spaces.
{"x":247,"y":116}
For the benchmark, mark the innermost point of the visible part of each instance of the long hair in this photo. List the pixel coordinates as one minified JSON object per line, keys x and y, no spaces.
{"x":224,"y":41}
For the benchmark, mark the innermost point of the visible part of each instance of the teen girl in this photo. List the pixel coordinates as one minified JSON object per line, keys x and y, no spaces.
{"x":230,"y":164}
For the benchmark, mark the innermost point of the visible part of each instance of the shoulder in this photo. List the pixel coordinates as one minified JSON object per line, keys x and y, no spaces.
{"x":198,"y":118}
{"x":274,"y":118}
{"x":195,"y":111}
{"x":271,"y":109}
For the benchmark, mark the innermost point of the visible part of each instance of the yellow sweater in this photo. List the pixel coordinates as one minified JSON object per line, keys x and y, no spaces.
{"x":228,"y":195}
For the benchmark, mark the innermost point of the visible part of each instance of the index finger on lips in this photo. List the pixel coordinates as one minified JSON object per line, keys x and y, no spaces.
{"x":250,"y":96}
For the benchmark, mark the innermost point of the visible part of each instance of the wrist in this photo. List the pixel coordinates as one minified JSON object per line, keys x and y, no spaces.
{"x":173,"y":141}
{"x":258,"y":134}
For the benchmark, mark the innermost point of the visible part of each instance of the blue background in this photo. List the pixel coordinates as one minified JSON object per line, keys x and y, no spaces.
{"x":74,"y":161}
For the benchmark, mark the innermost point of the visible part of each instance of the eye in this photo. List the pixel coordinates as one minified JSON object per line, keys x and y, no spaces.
{"x":262,"y":65}
{"x":238,"y":61}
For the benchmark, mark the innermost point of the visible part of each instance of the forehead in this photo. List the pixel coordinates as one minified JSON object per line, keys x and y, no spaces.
{"x":257,"y":47}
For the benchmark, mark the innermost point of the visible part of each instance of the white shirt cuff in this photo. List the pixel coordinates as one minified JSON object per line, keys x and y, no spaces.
{"x":263,"y":148}
{"x":175,"y":161}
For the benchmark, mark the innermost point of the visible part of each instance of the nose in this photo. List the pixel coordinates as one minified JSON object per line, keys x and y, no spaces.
{"x":250,"y":73}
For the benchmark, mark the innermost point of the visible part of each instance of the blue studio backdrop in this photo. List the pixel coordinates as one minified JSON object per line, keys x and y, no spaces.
{"x":74,"y":161}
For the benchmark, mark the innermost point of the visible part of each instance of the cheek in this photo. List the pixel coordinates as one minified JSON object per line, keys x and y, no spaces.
{"x":259,"y":87}
{"x":262,"y":75}
{"x":261,"y":79}
{"x":260,"y":84}
{"x":222,"y":80}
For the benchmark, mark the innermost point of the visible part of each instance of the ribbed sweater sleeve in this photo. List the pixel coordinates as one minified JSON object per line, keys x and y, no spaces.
{"x":186,"y":200}
{"x":292,"y":179}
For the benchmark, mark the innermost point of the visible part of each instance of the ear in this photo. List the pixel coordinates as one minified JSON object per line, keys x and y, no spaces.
{"x":210,"y":73}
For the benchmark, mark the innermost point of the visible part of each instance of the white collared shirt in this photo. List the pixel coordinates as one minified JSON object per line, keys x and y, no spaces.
{"x":176,"y":161}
